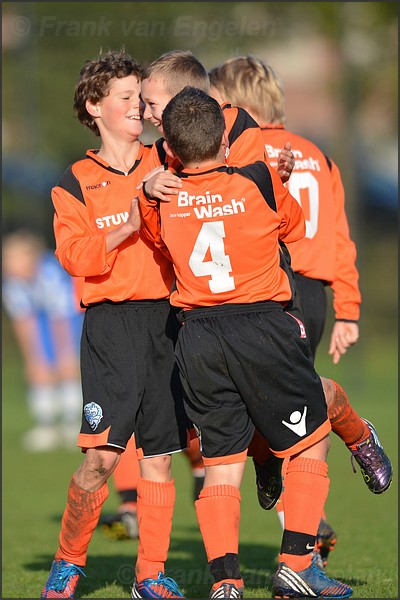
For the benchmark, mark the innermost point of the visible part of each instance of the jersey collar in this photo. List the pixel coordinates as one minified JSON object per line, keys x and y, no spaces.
{"x":92,"y":154}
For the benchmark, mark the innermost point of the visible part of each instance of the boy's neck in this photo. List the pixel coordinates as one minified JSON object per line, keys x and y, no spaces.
{"x":207,"y":164}
{"x":210,"y":163}
{"x":120,"y":156}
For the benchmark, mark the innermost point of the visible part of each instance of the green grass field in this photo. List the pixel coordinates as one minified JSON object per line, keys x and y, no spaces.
{"x":366,"y":555}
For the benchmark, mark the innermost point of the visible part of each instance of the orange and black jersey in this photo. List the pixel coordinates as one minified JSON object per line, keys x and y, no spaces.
{"x":246,"y":144}
{"x":91,"y":200}
{"x":326,"y":252}
{"x":222,"y":231}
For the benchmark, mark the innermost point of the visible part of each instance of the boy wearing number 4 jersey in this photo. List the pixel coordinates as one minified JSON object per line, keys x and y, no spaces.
{"x":242,"y":358}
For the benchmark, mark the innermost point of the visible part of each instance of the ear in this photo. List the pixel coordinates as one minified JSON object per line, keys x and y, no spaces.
{"x":93,"y":109}
{"x":168,"y":150}
{"x":225,"y":139}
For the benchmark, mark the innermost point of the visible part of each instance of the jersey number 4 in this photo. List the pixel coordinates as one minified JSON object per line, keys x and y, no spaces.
{"x":209,"y":258}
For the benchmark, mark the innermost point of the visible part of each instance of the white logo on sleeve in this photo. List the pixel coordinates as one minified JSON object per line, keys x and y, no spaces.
{"x":297,"y":422}
{"x":310,"y":546}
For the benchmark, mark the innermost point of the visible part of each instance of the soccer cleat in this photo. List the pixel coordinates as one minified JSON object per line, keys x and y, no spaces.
{"x":122,"y":526}
{"x":375,"y":465}
{"x":162,"y":587}
{"x":62,"y":580}
{"x":226,"y":590}
{"x":326,"y":540}
{"x":309,"y":583}
{"x":269,"y":482}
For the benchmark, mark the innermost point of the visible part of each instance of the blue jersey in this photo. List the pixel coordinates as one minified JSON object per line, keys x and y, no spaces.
{"x":48,"y":298}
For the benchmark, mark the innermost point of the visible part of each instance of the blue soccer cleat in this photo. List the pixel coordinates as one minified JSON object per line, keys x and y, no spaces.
{"x":309,"y":583}
{"x":62,"y":580}
{"x":162,"y":587}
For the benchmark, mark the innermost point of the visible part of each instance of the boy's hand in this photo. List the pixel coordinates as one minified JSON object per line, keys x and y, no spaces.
{"x":134,"y":219}
{"x":285,"y":162}
{"x":150,"y":174}
{"x":344,"y":335}
{"x":162,"y":183}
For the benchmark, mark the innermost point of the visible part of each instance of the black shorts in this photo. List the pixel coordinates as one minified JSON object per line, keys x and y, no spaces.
{"x":248,"y":365}
{"x":130,"y":380}
{"x":313,"y":300}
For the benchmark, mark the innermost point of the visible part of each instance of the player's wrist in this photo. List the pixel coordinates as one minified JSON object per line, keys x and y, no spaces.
{"x":147,"y":194}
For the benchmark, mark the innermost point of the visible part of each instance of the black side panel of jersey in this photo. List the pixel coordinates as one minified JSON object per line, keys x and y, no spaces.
{"x":70,"y":184}
{"x":328,"y":160}
{"x":259,"y":173}
{"x":162,"y":155}
{"x":243,"y":121}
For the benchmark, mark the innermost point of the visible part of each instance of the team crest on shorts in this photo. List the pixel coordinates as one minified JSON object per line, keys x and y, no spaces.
{"x":93,"y":414}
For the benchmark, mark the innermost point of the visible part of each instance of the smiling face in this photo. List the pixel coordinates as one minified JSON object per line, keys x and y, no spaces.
{"x":119,"y":114}
{"x":156,"y":99}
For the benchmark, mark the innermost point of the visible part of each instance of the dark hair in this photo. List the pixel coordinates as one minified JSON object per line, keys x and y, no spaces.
{"x":193,"y":125}
{"x":94,"y":79}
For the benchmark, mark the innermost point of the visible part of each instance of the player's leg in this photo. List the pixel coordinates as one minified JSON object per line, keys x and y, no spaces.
{"x":218,"y":515}
{"x":361,"y":438}
{"x":123,"y":524}
{"x":107,"y":365}
{"x":306,"y":487}
{"x":161,"y":431}
{"x":87,"y":493}
{"x":295,"y":423}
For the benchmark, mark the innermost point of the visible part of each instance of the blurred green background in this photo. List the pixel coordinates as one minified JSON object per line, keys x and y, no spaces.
{"x":339,"y":65}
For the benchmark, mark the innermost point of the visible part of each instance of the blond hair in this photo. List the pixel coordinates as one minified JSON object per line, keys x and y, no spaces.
{"x":178,"y":69}
{"x":248,"y":82}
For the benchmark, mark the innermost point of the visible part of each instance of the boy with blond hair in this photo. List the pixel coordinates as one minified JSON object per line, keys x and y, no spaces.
{"x":168,"y":75}
{"x":325,"y":256}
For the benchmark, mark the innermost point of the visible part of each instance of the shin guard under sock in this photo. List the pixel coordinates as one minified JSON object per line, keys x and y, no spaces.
{"x":306,"y":491}
{"x":79,"y":521}
{"x":155,"y":509}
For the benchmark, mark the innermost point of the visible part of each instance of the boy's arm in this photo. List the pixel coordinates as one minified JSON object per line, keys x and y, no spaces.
{"x":346,"y":292}
{"x":151,"y":222}
{"x":293,"y":226}
{"x":246,"y":143}
{"x":80,"y":249}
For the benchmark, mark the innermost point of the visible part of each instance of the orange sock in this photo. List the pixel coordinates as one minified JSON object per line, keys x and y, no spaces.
{"x":79,"y":521}
{"x":218,"y":514}
{"x":259,"y":448}
{"x":306,"y":491}
{"x":344,"y":420}
{"x":126,"y":476}
{"x":154,"y":509}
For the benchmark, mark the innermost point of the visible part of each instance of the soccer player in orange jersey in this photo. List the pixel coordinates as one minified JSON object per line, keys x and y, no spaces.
{"x":324,"y":257}
{"x":243,"y":358}
{"x":129,"y":376}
